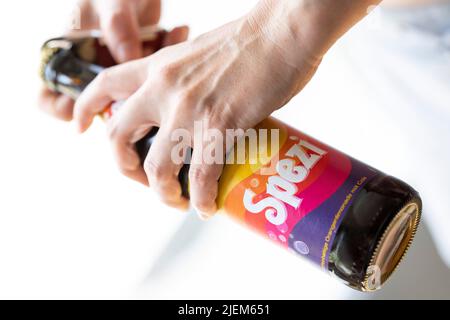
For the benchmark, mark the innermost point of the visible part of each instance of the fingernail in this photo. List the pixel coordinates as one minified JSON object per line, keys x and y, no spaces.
{"x":81,"y":127}
{"x":78,"y":127}
{"x":203,"y":215}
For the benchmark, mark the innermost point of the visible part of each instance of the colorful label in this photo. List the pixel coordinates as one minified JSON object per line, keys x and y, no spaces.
{"x":299,"y":196}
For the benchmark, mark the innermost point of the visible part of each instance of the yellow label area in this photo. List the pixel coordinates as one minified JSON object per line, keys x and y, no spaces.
{"x":234,"y":174}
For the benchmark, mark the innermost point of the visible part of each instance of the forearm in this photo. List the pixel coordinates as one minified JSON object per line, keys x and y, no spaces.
{"x":330,"y":19}
{"x":312,"y":25}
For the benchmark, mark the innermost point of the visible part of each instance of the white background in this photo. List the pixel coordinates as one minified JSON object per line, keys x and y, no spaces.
{"x":72,"y":227}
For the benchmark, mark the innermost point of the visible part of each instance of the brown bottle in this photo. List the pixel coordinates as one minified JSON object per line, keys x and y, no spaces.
{"x":347,"y":217}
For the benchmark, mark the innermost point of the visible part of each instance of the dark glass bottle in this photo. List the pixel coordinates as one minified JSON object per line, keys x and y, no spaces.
{"x":349,"y":218}
{"x":376,"y":232}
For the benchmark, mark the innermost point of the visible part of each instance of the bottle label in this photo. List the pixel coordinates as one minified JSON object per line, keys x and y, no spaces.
{"x":299,"y":196}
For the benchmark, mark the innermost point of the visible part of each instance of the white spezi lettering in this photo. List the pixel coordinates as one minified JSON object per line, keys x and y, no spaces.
{"x":275,"y":210}
{"x":282,"y":188}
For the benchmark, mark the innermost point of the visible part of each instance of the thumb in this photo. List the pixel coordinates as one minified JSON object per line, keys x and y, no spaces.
{"x":120,"y":26}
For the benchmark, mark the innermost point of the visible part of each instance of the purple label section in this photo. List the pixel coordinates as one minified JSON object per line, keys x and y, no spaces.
{"x":314,"y":234}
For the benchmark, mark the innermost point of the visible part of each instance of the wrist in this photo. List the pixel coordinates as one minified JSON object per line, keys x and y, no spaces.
{"x":307,"y":27}
{"x":288,"y":27}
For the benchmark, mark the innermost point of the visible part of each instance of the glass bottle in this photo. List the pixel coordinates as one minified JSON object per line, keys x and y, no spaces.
{"x":349,"y":218}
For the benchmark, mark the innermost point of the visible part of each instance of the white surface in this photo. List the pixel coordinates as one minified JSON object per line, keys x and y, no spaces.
{"x":72,"y":227}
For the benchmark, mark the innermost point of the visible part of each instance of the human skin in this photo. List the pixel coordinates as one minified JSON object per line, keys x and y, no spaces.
{"x":119,"y":21}
{"x":409,"y":3}
{"x":230,"y":78}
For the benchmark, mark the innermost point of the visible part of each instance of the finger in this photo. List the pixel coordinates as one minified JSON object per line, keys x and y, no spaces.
{"x":127,"y":159}
{"x":86,"y":17}
{"x":162,"y":171}
{"x":137,"y":175}
{"x":149,"y":12}
{"x":177,"y":35}
{"x":125,"y":129}
{"x":120,"y":26}
{"x":203,"y":178}
{"x":113,"y":84}
{"x":56,"y":105}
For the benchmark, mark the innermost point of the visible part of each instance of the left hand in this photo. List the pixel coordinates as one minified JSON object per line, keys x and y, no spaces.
{"x":119,"y":21}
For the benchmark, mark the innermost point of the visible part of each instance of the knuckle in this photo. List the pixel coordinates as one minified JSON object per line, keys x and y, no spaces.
{"x":208,"y":105}
{"x":217,"y":115}
{"x":102,"y":78}
{"x":170,"y":191}
{"x":205,"y":203}
{"x":187,"y":100}
{"x":115,"y":18}
{"x":156,"y":171}
{"x":126,"y":163}
{"x":221,"y":117}
{"x":169,"y":202}
{"x":199,"y":176}
{"x":168,"y":73}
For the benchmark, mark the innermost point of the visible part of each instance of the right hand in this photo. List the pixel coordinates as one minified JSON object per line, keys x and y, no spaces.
{"x":230,"y":78}
{"x":119,"y":21}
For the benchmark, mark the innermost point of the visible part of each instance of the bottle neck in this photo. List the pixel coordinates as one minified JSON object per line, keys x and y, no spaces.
{"x":67,"y":74}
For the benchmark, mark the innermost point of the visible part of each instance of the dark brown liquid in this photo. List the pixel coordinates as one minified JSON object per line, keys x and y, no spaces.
{"x":364,"y":224}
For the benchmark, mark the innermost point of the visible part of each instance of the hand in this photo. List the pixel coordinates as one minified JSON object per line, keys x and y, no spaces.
{"x":120,"y":21}
{"x":230,"y":78}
